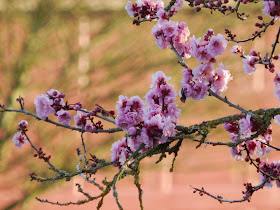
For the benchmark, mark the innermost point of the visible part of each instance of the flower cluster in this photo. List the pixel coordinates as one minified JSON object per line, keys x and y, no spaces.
{"x":84,"y":120}
{"x":52,"y":103}
{"x":151,"y":10}
{"x":210,"y":47}
{"x":271,"y":8}
{"x":197,"y":82}
{"x":167,"y":32}
{"x":250,"y":61}
{"x":245,"y":128}
{"x":19,"y":138}
{"x":150,"y":123}
{"x":254,"y":58}
{"x":143,"y":8}
{"x":273,"y":170}
{"x":162,"y":15}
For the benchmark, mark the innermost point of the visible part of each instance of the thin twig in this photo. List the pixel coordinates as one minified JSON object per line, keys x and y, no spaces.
{"x":84,"y":149}
{"x":255,"y":35}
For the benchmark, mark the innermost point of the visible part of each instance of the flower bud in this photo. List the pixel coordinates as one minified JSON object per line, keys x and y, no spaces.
{"x":197,"y":9}
{"x":23,"y":124}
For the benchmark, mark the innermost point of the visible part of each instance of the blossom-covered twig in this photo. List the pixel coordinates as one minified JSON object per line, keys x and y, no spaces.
{"x":112,"y":130}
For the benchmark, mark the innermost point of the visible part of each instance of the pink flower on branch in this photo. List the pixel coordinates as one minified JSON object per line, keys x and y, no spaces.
{"x":217,"y":45}
{"x":64,"y":117}
{"x":150,"y":125}
{"x":237,"y":50}
{"x":245,"y":126}
{"x":271,"y":8}
{"x":23,"y":124}
{"x":19,"y":139}
{"x":43,"y":106}
{"x":250,"y":62}
{"x":80,"y":119}
{"x":221,"y":79}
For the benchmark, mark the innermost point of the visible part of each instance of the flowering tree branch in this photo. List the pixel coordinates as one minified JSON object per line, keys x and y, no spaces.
{"x":152,"y":126}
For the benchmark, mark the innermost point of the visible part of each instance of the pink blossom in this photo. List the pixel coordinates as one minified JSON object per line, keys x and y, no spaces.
{"x":119,"y":152}
{"x":187,"y":76}
{"x":89,"y":127}
{"x":152,"y":110}
{"x":134,"y":142}
{"x":277,"y":93}
{"x":77,"y":106}
{"x":277,"y":80}
{"x":249,"y":66}
{"x":161,"y":42}
{"x":236,"y":153}
{"x":183,"y":49}
{"x":154,"y":128}
{"x":210,"y":47}
{"x":53,"y":93}
{"x":221,"y":78}
{"x":251,"y":145}
{"x":130,"y":111}
{"x":207,"y":36}
{"x":158,"y":79}
{"x":277,"y":119}
{"x":236,"y":50}
{"x":161,"y":95}
{"x":267,"y":137}
{"x":169,"y":127}
{"x":64,"y":117}
{"x":194,"y":45}
{"x":183,"y":31}
{"x":195,"y":90}
{"x":131,"y":9}
{"x":169,"y":28}
{"x":162,"y":15}
{"x":132,"y":131}
{"x":203,"y":73}
{"x":271,"y":8}
{"x":232,"y":128}
{"x":122,"y":103}
{"x":272,"y":168}
{"x":43,"y":106}
{"x":217,"y":45}
{"x":262,"y":148}
{"x":144,"y":8}
{"x":202,"y":54}
{"x":173,"y":112}
{"x":179,"y":4}
{"x":159,"y":4}
{"x":80,"y":119}
{"x":19,"y":139}
{"x":131,"y":118}
{"x":245,"y":126}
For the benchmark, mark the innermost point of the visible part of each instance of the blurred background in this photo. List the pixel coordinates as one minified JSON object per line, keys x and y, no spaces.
{"x":90,"y":50}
